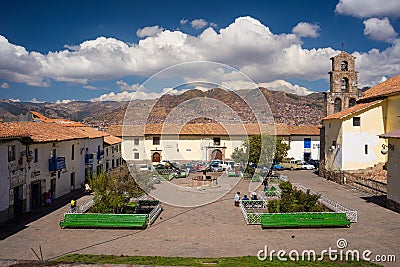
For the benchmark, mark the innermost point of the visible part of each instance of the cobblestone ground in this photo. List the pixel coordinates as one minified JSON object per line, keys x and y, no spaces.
{"x":214,"y":230}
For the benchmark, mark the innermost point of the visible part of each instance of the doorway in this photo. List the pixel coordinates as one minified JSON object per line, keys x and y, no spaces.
{"x":156,"y":157}
{"x":216,"y":154}
{"x":36,"y":194}
{"x":307,"y":157}
{"x":18,"y":205}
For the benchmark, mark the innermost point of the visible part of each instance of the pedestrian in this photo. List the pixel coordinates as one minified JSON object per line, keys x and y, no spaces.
{"x":73,"y":206}
{"x":265,"y":183}
{"x":245,"y":198}
{"x":236,"y":198}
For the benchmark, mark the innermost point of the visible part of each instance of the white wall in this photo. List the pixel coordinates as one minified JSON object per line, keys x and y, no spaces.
{"x":129,"y":148}
{"x":297,"y":149}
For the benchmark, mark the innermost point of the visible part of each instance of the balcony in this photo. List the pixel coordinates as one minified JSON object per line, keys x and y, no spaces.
{"x":56,"y":164}
{"x":89,"y":159}
{"x":100,"y":154}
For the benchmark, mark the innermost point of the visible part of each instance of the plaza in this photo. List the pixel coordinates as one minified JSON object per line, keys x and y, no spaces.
{"x":214,"y":230}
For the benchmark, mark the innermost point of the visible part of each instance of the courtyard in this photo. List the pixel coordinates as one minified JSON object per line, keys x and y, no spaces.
{"x":213,"y":230}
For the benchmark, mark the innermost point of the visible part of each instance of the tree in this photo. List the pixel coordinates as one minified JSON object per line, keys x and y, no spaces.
{"x":113,"y":190}
{"x":262,"y":150}
{"x":281,"y":150}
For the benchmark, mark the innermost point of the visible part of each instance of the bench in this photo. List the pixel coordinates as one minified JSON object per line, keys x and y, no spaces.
{"x":304,"y":219}
{"x":97,"y":220}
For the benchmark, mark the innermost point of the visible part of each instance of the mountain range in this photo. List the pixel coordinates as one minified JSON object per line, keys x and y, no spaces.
{"x":288,"y":108}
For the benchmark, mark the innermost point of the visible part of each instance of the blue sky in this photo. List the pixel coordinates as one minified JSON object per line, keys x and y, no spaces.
{"x":103,"y":50}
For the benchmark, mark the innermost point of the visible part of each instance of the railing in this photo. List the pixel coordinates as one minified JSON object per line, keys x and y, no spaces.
{"x":85,"y":206}
{"x":88,"y":158}
{"x":154,"y":213}
{"x":56,"y":164}
{"x":100,"y":154}
{"x":330,"y":204}
{"x":248,"y":206}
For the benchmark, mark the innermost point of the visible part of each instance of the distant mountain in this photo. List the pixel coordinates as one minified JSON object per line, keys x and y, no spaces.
{"x":287,"y":108}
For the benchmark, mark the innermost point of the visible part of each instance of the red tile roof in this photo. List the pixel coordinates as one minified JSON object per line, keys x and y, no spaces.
{"x":39,"y":117}
{"x":353,"y":110}
{"x":389,"y":87}
{"x":212,"y":129}
{"x":112,"y":140}
{"x":39,"y":131}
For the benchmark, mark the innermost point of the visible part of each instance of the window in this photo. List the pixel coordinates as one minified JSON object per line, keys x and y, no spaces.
{"x":352,"y":102}
{"x":366,"y":149}
{"x":338,"y":105}
{"x":356,"y":121}
{"x":217,"y":141}
{"x":54,"y":153}
{"x":136,"y":141}
{"x":36,"y":155}
{"x":156,"y":140}
{"x":345,"y":84}
{"x":59,"y":174}
{"x":136,"y":155}
{"x":344,"y":66}
{"x":98,"y":149}
{"x":72,"y":152}
{"x":72,"y":181}
{"x":107,"y":152}
{"x":307,"y":142}
{"x":11,"y":153}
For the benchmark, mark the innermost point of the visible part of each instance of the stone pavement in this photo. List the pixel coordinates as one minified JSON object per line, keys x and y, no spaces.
{"x":214,"y":230}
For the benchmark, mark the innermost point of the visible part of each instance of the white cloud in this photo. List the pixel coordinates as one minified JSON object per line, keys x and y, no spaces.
{"x":247,"y":44}
{"x":123,"y":86}
{"x":183,"y":21}
{"x":379,"y":29}
{"x":284,"y":86}
{"x":305,"y":29}
{"x":5,"y":85}
{"x":214,"y":25}
{"x":369,"y":8}
{"x":34,"y":100}
{"x":149,"y":31}
{"x":198,"y":23}
{"x":127,"y":96}
{"x":64,"y":101}
{"x":90,"y":87}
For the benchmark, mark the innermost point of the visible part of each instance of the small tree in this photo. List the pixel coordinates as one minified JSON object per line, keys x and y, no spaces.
{"x":113,"y":190}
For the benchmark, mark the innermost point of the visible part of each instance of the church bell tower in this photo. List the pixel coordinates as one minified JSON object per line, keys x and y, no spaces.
{"x":343,"y":92}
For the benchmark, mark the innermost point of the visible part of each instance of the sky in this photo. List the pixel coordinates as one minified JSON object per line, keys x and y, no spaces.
{"x":58,"y":51}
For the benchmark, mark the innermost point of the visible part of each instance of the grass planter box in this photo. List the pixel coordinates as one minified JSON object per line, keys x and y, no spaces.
{"x":98,"y":220}
{"x":304,"y":220}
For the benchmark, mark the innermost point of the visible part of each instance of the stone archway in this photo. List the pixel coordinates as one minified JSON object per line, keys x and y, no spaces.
{"x":216,"y":154}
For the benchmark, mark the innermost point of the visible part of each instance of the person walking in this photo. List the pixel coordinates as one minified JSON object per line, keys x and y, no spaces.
{"x":236,"y":198}
{"x":73,"y":206}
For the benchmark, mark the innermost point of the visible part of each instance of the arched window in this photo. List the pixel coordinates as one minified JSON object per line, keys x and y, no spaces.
{"x":338,"y":105}
{"x":352,"y":102}
{"x":344,"y":66}
{"x":345,"y":84}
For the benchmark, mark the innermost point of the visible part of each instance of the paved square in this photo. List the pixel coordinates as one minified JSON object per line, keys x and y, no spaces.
{"x":213,"y":230}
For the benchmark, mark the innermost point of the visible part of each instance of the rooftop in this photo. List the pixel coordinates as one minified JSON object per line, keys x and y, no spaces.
{"x":389,"y":87}
{"x":39,"y":131}
{"x":393,"y":134}
{"x":353,"y":110}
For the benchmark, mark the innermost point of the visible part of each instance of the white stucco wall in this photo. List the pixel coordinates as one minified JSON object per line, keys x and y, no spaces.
{"x":297,"y":149}
{"x":354,"y":139}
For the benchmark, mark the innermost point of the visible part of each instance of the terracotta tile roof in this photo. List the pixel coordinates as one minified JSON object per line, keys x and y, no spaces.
{"x":212,"y":129}
{"x":112,"y":140}
{"x":286,"y":130}
{"x":389,"y":87}
{"x":353,"y":110}
{"x":90,"y":132}
{"x":39,"y":117}
{"x":39,"y":131}
{"x":393,"y":134}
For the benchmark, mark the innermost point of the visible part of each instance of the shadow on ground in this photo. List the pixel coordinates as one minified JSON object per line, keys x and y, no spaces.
{"x":21,"y":221}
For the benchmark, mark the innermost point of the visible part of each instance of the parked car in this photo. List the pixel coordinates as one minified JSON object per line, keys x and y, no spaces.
{"x":216,"y":168}
{"x":278,"y":167}
{"x":143,"y":167}
{"x":305,"y":166}
{"x":290,"y":164}
{"x":314,"y":162}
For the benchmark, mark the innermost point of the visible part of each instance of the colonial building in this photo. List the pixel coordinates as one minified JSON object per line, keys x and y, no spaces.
{"x":37,"y":158}
{"x":351,"y":136}
{"x":112,"y":152}
{"x":204,"y":142}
